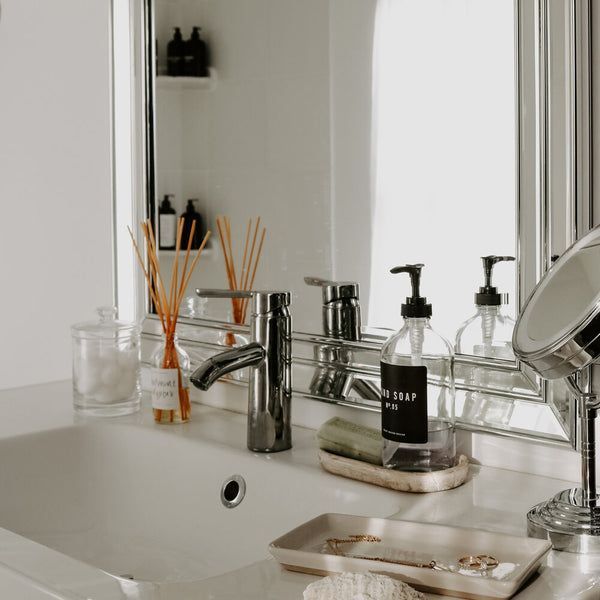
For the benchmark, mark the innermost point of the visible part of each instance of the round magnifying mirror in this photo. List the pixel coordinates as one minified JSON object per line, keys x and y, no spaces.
{"x":558,"y":334}
{"x":558,"y":331}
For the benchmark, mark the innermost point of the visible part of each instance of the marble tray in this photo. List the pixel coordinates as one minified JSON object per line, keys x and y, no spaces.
{"x":402,"y":481}
{"x":395,"y":547}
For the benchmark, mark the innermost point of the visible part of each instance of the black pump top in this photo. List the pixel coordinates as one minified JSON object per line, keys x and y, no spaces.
{"x":177,"y":34}
{"x":415,"y":306}
{"x":196,"y":33}
{"x":488,"y":294}
{"x":165,"y":205}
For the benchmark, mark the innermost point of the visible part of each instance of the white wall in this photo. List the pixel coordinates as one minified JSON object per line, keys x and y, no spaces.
{"x":55,"y":181}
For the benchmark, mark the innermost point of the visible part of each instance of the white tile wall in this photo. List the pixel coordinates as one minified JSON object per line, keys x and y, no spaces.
{"x":299,"y":38}
{"x":259,"y":139}
{"x":298,"y":123}
{"x":238,"y":124}
{"x":239,"y":38}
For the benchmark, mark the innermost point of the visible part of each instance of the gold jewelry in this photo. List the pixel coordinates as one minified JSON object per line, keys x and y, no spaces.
{"x":481,"y":562}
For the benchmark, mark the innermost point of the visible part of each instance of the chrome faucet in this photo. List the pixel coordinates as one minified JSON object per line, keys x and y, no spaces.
{"x":341,"y":308}
{"x":269,"y":356}
{"x":341,"y":321}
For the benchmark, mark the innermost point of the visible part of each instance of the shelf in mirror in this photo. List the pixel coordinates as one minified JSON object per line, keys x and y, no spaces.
{"x":167,"y":82}
{"x":206,"y":252}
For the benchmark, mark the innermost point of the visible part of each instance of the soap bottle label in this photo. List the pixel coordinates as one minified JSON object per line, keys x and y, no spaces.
{"x":404,"y":403}
{"x":167,"y":231}
{"x":165,"y":388}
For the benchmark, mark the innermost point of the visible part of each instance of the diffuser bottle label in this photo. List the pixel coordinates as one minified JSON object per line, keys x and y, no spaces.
{"x":404,"y":403}
{"x":165,"y":389}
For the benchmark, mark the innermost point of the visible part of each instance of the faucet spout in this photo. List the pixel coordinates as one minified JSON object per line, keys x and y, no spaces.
{"x":269,"y":356}
{"x":231,"y":360}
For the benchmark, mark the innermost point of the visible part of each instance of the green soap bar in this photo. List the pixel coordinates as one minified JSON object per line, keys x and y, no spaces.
{"x":349,"y":439}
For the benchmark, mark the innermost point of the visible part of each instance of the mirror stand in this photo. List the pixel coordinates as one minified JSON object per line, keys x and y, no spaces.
{"x":571,"y":519}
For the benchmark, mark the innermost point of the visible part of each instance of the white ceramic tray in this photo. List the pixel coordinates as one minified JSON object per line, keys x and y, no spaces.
{"x":307,"y":549}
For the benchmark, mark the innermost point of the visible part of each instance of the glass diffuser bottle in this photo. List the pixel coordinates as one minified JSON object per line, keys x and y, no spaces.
{"x":171,"y":365}
{"x":169,"y":376}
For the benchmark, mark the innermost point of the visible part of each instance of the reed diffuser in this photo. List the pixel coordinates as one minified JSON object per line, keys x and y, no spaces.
{"x":249,"y":266}
{"x":170,"y":395}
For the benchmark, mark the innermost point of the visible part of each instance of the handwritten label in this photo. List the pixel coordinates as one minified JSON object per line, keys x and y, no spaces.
{"x":165,"y":389}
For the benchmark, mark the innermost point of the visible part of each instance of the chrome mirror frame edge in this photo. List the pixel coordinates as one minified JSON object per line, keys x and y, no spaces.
{"x":533,"y":220}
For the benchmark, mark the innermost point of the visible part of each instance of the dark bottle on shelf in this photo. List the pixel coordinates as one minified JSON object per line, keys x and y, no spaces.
{"x":176,"y":54}
{"x":196,"y":56}
{"x":189,"y":216}
{"x":167,"y":224}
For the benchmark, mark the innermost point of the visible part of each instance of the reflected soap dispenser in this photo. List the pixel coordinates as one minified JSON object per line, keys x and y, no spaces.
{"x":417,"y":390}
{"x":489,"y":331}
{"x":196,"y":55}
{"x":167,"y":224}
{"x":176,"y":54}
{"x":191,"y":216}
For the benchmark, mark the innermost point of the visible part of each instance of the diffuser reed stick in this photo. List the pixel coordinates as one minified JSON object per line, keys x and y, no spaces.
{"x":167,"y":307}
{"x":249,"y":265}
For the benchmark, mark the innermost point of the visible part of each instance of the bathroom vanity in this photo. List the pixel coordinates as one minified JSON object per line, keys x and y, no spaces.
{"x":126,"y":509}
{"x":83,"y":497}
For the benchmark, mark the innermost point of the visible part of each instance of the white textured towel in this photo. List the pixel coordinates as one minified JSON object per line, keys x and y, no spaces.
{"x":360,"y":586}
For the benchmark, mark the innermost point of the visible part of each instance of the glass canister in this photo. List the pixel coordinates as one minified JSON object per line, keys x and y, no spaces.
{"x":106,"y":366}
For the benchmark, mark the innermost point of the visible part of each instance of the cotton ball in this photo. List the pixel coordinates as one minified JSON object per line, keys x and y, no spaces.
{"x":110,"y":373}
{"x":87,"y":377}
{"x":127,"y":382}
{"x":129,"y":358}
{"x":110,"y":355}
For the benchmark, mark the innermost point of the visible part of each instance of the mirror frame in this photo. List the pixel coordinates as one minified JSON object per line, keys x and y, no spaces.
{"x":557,"y":179}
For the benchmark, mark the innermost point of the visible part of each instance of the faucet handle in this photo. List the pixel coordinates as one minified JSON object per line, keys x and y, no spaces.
{"x":341,"y":308}
{"x":263,"y":301}
{"x":334,"y":290}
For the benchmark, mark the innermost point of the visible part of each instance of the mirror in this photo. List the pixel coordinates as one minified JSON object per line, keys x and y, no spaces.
{"x":552,"y":92}
{"x":558,"y":328}
{"x":303,"y":98}
{"x":558,"y":335}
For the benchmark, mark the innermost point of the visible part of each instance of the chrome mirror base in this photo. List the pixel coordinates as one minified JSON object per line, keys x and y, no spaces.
{"x":567,"y":523}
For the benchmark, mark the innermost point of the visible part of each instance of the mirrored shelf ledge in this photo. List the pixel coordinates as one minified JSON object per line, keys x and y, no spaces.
{"x":498,"y":398}
{"x":206,"y":253}
{"x":167,"y":82}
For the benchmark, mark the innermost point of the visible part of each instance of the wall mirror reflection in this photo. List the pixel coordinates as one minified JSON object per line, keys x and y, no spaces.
{"x":367,"y":134}
{"x":364,"y":134}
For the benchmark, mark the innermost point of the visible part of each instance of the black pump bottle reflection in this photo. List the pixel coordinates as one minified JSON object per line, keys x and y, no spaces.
{"x":189,"y":217}
{"x":196,"y":56}
{"x":176,"y":55}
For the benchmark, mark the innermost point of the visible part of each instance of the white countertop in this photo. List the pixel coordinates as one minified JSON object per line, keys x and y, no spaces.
{"x":492,"y":499}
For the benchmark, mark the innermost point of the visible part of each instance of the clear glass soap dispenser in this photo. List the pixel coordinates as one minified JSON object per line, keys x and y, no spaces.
{"x":489,"y":331}
{"x":417,"y":390}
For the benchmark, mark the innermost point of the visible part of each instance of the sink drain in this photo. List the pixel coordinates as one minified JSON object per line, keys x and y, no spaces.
{"x":233,"y":491}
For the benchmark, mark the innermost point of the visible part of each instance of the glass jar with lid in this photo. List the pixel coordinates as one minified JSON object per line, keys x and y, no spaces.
{"x":106,"y":365}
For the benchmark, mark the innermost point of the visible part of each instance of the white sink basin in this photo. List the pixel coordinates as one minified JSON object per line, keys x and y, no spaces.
{"x":145,"y":502}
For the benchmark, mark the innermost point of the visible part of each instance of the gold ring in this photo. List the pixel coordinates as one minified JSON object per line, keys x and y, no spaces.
{"x":469,"y":562}
{"x":488,"y":562}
